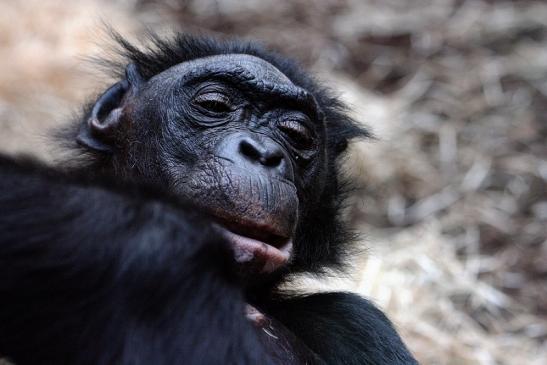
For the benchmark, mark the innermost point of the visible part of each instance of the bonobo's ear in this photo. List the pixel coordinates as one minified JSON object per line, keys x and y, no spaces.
{"x":98,"y":131}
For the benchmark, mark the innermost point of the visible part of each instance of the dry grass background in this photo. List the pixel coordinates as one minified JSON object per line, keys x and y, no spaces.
{"x":454,"y":198}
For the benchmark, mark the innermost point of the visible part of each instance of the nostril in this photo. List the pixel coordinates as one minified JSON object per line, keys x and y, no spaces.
{"x":247,"y":149}
{"x":268,"y":155}
{"x":272,"y":160}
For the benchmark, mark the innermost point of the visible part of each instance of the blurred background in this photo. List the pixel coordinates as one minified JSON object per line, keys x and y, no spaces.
{"x":453,"y":204}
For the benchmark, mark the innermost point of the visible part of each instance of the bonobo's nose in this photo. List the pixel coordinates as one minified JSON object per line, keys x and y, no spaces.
{"x":265,"y":152}
{"x":257,"y":153}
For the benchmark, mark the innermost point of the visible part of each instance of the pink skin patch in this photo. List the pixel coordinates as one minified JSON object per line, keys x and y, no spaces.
{"x":251,"y":250}
{"x":255,"y":316}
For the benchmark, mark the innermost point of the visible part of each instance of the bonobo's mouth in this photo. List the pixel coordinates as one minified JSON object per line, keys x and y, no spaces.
{"x":260,"y":247}
{"x":256,"y":212}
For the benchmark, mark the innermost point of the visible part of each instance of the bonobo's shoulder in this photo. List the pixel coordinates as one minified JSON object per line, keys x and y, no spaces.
{"x":23,"y":169}
{"x":20,"y":163}
{"x":345,"y":304}
{"x":347,"y":322}
{"x":20,"y":170}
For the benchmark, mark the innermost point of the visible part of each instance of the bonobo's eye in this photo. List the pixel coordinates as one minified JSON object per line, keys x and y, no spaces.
{"x":298,"y":134}
{"x":214,"y":102}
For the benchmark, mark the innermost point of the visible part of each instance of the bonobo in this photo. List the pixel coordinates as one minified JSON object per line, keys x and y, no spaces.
{"x":206,"y":175}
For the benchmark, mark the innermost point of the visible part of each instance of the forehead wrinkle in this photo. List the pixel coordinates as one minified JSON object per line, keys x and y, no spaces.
{"x":254,"y":66}
{"x":240,"y":68}
{"x":246,"y":71}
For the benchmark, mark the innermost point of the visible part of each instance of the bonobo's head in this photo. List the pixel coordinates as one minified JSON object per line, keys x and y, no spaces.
{"x":242,"y":134}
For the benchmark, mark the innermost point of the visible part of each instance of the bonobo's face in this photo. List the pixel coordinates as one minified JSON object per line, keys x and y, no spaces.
{"x":238,"y":139}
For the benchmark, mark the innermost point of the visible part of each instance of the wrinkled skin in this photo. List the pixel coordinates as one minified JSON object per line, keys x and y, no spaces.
{"x":238,"y":140}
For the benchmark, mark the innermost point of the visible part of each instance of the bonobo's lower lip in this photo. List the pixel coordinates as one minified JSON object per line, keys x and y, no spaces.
{"x":264,"y":257}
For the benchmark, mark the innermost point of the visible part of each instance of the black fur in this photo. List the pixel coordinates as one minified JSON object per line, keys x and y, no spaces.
{"x":95,"y":276}
{"x":162,"y":54}
{"x":342,"y":328}
{"x":99,"y":267}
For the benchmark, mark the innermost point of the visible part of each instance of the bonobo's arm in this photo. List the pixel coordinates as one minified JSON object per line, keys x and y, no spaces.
{"x":343,"y":328}
{"x":92,"y":276}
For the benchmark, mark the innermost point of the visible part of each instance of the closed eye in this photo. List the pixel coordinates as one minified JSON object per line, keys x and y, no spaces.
{"x":298,"y":134}
{"x":214,"y":102}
